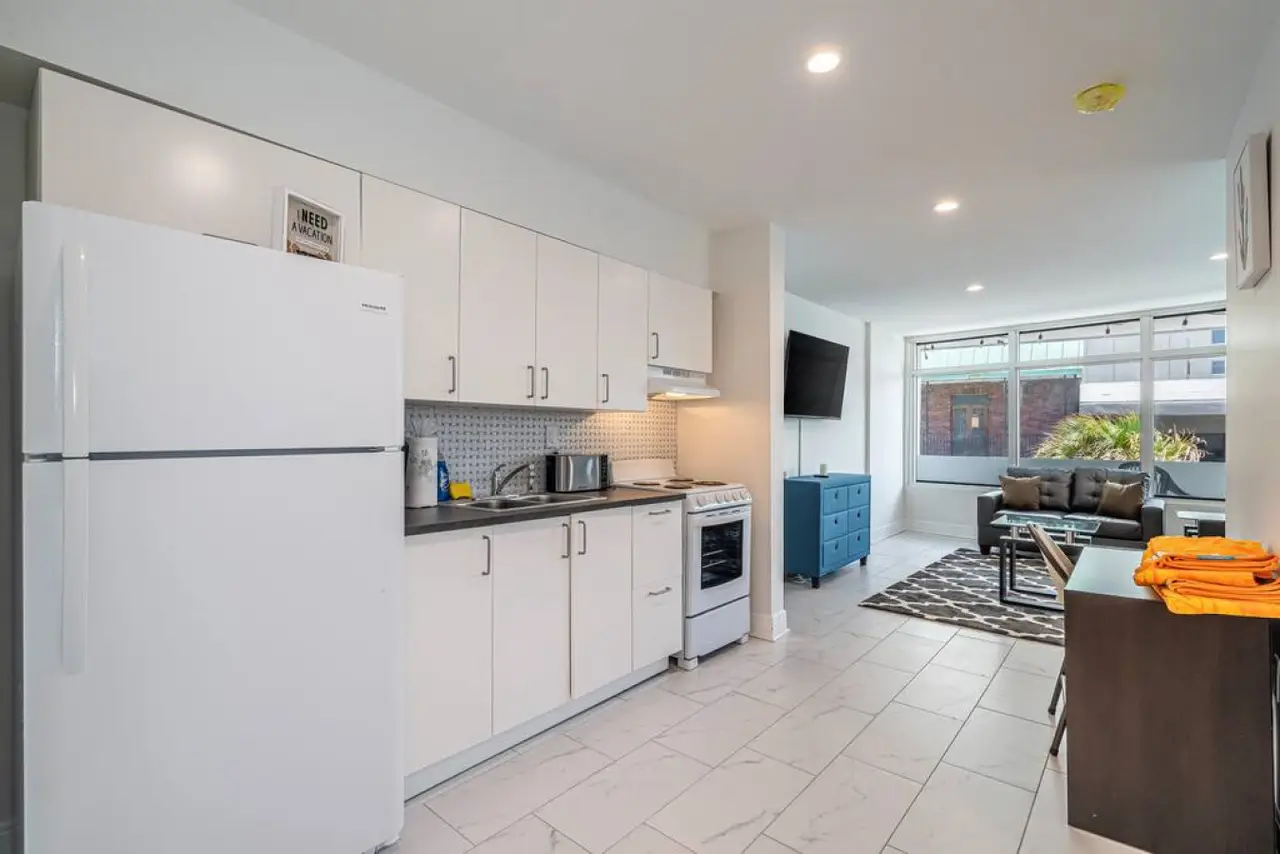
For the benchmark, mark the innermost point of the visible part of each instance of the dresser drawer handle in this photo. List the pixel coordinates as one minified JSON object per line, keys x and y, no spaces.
{"x":661,"y":592}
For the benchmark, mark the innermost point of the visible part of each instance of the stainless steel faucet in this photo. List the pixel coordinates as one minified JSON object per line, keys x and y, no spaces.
{"x":497,"y":484}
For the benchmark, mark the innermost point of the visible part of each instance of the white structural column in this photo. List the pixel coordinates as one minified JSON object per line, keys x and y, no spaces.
{"x":739,"y":436}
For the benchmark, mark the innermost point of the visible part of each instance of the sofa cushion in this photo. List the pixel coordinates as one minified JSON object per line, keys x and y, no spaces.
{"x":1020,"y":493}
{"x":1121,"y":500}
{"x":1086,"y":486}
{"x":1111,"y":528}
{"x":1055,"y":486}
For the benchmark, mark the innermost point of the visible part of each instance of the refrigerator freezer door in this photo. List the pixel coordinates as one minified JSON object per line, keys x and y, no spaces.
{"x":240,"y":682}
{"x":138,"y":338}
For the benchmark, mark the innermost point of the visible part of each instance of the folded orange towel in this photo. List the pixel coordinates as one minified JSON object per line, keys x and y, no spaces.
{"x":1190,"y":597}
{"x":1213,"y":560}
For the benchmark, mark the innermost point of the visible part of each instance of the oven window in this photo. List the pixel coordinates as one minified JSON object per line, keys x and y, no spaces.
{"x":721,"y":553}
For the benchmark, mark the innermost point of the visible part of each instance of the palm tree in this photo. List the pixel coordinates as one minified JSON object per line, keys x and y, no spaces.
{"x":1115,"y":437}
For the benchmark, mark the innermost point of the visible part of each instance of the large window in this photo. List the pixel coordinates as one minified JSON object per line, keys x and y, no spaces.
{"x":1140,"y":392}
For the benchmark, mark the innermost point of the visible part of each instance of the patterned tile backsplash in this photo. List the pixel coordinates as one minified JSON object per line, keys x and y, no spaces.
{"x":475,"y":439}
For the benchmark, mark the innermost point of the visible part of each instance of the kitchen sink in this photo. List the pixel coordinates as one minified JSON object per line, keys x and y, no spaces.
{"x":526,"y":502}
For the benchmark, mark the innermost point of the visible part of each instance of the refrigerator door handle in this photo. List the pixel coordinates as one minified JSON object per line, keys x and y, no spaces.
{"x":73,"y":353}
{"x":75,"y":564}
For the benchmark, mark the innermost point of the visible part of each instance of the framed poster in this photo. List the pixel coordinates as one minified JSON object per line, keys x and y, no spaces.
{"x":1251,"y":213}
{"x":306,"y":227}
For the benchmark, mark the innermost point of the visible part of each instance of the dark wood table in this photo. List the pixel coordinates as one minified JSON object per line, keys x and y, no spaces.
{"x":1168,"y":718}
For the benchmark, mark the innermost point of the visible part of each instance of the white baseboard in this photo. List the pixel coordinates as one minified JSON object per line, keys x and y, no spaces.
{"x":884,"y":532}
{"x":769,"y":627}
{"x":943,"y":529}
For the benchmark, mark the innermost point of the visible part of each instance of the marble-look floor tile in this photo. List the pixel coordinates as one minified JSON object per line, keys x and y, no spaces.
{"x":426,"y":833}
{"x":931,"y":629}
{"x":770,"y":653}
{"x":789,"y":682}
{"x":529,"y":836}
{"x":715,"y":676}
{"x":1047,"y":829}
{"x":972,"y":656}
{"x":851,"y":808}
{"x":502,"y":795}
{"x":838,"y":649}
{"x":719,"y":730}
{"x":892,"y":850}
{"x":866,"y":687}
{"x":871,"y":623}
{"x":601,"y":810}
{"x":765,"y":845}
{"x":1023,"y":695}
{"x":625,"y":726}
{"x":1041,"y":659}
{"x":907,"y":741}
{"x":815,"y":624}
{"x":727,"y":809}
{"x":960,"y":812}
{"x":904,"y":652}
{"x":470,"y":774}
{"x":989,"y":637}
{"x":812,"y":734}
{"x":645,"y":840}
{"x":948,"y":692}
{"x":1003,"y":747}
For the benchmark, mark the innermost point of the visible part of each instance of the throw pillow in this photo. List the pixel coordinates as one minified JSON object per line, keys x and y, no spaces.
{"x":1121,"y":500}
{"x":1020,"y":493}
{"x":1055,"y":486}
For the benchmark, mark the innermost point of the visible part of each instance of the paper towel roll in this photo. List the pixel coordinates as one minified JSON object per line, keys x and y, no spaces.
{"x":420,"y":471}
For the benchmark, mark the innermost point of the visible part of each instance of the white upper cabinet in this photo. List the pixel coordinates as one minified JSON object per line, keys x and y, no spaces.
{"x":624,"y":297}
{"x":601,"y":599}
{"x":679,"y":325}
{"x":419,"y":237}
{"x":497,"y":352}
{"x":448,"y":602}
{"x":568,"y":281}
{"x":108,"y":153}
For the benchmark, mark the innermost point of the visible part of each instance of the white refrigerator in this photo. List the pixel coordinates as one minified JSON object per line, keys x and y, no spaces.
{"x":212,"y":544}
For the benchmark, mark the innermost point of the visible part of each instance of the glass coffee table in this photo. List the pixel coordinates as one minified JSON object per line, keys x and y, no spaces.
{"x":1068,"y":532}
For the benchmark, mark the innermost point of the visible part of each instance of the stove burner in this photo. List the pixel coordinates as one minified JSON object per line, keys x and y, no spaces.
{"x":679,"y":486}
{"x":647,"y":483}
{"x":709,"y":483}
{"x":680,"y":480}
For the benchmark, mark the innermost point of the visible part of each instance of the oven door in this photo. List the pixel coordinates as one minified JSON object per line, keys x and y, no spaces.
{"x":717,"y":558}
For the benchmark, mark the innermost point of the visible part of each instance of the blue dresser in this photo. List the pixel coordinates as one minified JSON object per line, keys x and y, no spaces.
{"x":826,"y":523}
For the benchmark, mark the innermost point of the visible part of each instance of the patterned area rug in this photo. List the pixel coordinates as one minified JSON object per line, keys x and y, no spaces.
{"x":963,"y":589}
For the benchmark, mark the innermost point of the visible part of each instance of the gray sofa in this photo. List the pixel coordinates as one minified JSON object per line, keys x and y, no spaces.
{"x":1075,"y":493}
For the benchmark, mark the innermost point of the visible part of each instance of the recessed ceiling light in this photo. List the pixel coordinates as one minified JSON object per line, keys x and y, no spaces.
{"x":946,"y":206}
{"x":823,"y":59}
{"x":1221,"y":256}
{"x":974,"y":288}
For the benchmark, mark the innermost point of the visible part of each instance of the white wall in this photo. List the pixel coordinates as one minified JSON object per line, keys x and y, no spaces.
{"x":1253,"y":340}
{"x":841,"y":443}
{"x":13,"y":177}
{"x":739,"y":436}
{"x":216,"y":60}
{"x":885,"y":410}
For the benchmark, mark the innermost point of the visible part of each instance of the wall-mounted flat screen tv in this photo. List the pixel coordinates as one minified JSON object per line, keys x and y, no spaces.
{"x":815,"y":376}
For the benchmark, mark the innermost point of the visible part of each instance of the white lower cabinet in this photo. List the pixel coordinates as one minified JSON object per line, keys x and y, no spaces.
{"x":448,"y":597}
{"x":601,"y":599}
{"x":657,"y":621}
{"x":530,"y":620}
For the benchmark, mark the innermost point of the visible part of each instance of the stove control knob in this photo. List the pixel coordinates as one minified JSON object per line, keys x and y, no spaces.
{"x":742,"y":495}
{"x":700,"y":500}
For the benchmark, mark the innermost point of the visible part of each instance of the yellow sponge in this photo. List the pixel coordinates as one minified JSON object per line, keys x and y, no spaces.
{"x":459,"y":490}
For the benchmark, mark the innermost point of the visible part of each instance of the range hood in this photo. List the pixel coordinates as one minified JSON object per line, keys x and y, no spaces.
{"x":672,"y":384}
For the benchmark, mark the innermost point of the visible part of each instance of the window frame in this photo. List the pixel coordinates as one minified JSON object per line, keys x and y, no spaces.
{"x":1147,"y":355}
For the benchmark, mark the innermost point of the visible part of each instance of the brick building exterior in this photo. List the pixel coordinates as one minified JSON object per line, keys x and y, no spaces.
{"x":969,"y":418}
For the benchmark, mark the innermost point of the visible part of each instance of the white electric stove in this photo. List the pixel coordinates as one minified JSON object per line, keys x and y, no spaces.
{"x":717,"y":552}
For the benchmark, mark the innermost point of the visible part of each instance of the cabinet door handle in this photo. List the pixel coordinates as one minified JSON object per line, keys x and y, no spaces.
{"x":488,"y":554}
{"x":532,"y":392}
{"x":584,"y":537}
{"x":657,"y":345}
{"x":568,"y":536}
{"x":661,"y":592}
{"x":453,"y":374}
{"x":666,"y":512}
{"x":546,"y":383}
{"x":837,"y":520}
{"x":606,"y":388}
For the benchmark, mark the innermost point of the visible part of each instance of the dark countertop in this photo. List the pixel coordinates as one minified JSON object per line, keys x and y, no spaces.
{"x":1109,"y":572}
{"x":447,"y":517}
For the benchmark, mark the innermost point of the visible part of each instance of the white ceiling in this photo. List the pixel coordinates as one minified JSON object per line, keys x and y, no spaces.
{"x":705,"y":107}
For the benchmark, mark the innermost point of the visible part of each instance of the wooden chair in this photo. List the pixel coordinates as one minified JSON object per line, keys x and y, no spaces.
{"x":1060,"y":567}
